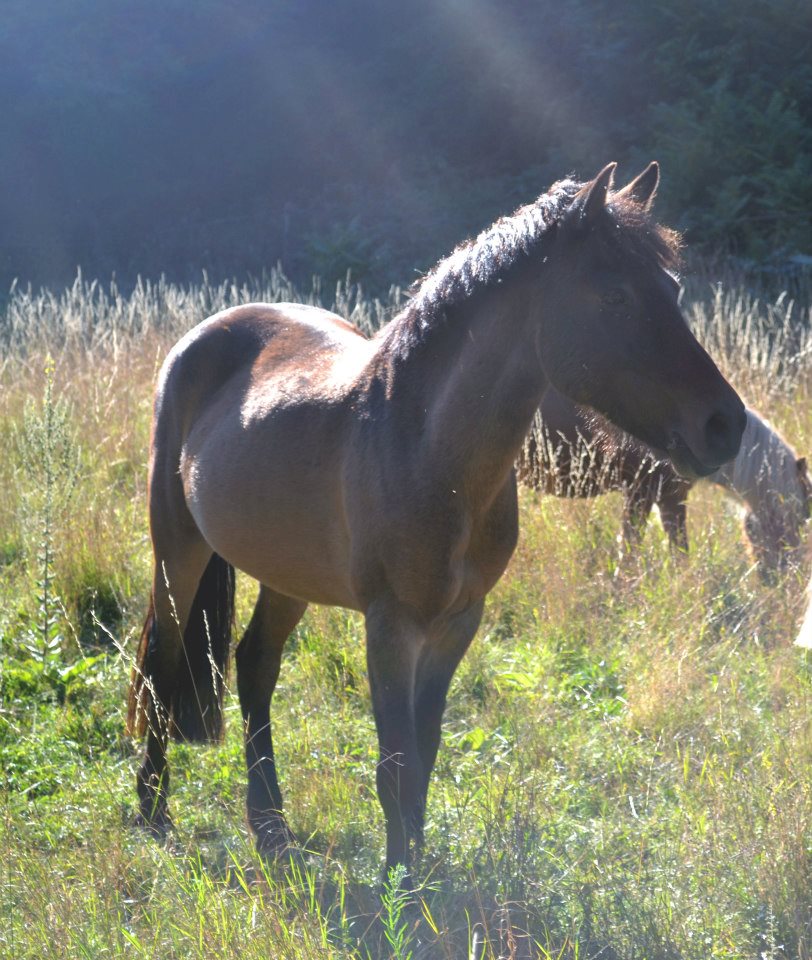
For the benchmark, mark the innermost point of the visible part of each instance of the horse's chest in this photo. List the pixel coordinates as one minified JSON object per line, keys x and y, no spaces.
{"x":492,"y":542}
{"x":439,"y":561}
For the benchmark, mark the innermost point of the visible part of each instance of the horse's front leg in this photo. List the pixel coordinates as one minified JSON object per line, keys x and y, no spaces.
{"x":438,"y":662}
{"x":394,"y":643}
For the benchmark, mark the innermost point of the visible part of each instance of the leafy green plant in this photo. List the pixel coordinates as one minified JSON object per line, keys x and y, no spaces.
{"x":395,"y":901}
{"x":49,"y":458}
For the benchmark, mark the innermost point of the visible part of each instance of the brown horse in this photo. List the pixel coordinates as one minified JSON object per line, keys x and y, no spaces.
{"x":571,"y":452}
{"x":378,"y":474}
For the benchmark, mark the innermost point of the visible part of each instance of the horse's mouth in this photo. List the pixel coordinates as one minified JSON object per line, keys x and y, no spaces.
{"x":685,"y":462}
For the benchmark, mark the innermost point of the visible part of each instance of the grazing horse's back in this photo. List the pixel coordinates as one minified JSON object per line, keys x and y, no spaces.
{"x":573,"y":452}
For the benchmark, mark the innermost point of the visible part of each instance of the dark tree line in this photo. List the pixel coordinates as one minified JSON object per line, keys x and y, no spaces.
{"x":162,"y":136}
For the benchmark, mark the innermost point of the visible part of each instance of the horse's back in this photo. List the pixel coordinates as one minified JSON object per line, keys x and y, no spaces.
{"x":257,"y":333}
{"x":580,"y":454}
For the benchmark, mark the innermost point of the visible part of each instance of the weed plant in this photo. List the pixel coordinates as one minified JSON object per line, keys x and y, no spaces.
{"x":626,"y":770}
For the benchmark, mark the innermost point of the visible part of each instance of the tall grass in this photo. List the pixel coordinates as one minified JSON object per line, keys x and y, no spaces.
{"x":763,"y":347}
{"x":626,"y":768}
{"x":89,"y":316}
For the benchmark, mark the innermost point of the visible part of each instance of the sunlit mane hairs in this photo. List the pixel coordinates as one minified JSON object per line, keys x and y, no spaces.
{"x":479,"y":263}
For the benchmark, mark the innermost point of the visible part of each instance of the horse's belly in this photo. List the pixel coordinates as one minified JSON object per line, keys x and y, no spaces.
{"x":309,"y":577}
{"x":275,"y":512}
{"x":293,"y":548}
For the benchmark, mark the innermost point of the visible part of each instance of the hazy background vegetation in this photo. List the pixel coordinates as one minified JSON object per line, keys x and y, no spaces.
{"x":165,"y":136}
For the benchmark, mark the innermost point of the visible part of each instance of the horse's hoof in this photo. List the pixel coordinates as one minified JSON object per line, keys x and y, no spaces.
{"x":277,"y":845}
{"x":284,"y":859}
{"x":157,"y":825}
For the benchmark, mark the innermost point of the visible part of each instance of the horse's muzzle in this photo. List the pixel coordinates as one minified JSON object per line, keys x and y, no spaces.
{"x":716,"y":444}
{"x":684,"y":461}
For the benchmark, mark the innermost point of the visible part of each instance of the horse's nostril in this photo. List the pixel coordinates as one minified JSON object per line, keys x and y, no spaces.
{"x":717,"y":429}
{"x":723,"y":433}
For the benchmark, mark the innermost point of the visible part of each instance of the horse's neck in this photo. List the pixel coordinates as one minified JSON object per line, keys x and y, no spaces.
{"x":477,"y":382}
{"x":760,"y":467}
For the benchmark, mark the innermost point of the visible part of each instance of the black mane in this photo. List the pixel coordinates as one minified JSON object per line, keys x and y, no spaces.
{"x":478,"y":263}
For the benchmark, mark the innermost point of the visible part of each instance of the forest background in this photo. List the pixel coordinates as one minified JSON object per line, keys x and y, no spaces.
{"x":166,"y":137}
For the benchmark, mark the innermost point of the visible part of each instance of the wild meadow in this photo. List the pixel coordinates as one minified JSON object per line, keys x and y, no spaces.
{"x":626,"y":770}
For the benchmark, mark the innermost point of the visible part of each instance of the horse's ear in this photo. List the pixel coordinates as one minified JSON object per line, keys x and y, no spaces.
{"x":644,"y":186}
{"x":801,"y":464}
{"x":594,"y":194}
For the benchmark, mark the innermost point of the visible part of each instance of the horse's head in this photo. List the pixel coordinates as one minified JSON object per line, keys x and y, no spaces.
{"x":615,"y":338}
{"x":775,"y":522}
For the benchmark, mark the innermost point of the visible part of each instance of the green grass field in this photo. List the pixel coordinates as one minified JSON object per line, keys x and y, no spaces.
{"x":626,"y":769}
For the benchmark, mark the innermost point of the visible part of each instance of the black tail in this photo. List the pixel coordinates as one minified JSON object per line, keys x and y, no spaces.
{"x":197,"y":704}
{"x":197,"y":700}
{"x":137,"y":717}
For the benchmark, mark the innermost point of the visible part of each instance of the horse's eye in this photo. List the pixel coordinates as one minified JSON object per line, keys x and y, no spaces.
{"x":614,"y":297}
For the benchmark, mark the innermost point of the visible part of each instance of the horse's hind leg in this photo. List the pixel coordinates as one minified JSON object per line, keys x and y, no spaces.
{"x":173,"y":592}
{"x":259,"y":657}
{"x":181,"y":555}
{"x":436,"y":667}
